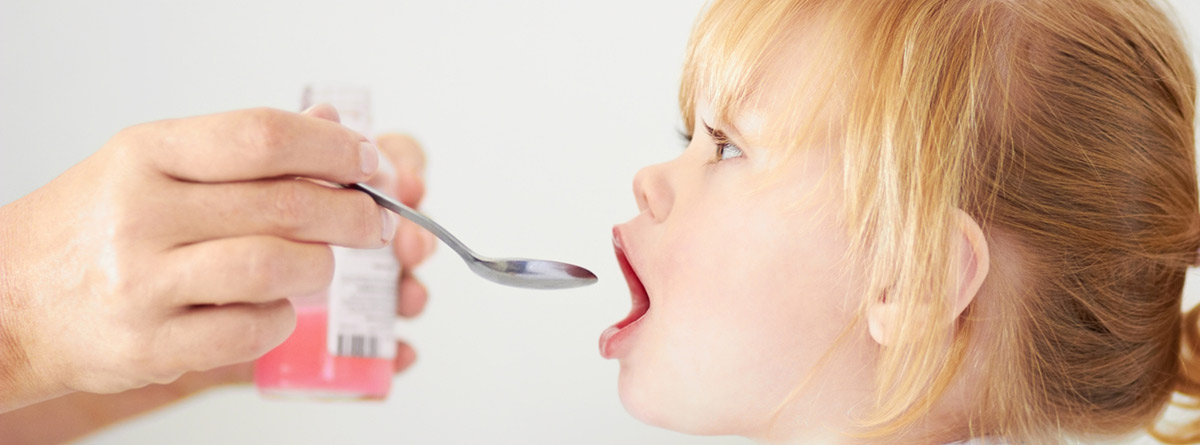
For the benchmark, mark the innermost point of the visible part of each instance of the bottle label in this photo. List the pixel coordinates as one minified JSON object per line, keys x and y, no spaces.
{"x":362,"y":303}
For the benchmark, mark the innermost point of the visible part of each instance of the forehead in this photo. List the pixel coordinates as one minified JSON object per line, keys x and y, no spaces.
{"x":798,"y":88}
{"x":780,"y":81}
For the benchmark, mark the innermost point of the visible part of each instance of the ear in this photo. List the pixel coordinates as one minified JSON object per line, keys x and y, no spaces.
{"x":974,"y":261}
{"x":968,"y":272}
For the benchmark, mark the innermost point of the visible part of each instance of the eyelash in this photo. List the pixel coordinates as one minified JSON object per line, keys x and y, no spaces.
{"x":723,"y":145}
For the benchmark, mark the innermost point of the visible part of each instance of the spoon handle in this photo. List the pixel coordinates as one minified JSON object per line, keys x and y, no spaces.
{"x":408,"y":213}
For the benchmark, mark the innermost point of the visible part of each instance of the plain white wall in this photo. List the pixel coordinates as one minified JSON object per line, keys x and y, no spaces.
{"x":535,"y":116}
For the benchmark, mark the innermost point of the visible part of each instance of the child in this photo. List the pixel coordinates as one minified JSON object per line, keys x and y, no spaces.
{"x":919,"y":221}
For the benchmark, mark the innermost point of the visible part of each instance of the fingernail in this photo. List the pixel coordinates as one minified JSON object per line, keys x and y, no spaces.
{"x":389,"y":225}
{"x":368,"y":155}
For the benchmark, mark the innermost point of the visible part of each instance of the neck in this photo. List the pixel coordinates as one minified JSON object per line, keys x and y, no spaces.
{"x":948,"y":421}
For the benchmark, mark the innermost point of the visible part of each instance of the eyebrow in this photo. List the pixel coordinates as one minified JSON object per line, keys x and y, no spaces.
{"x":734,"y":136}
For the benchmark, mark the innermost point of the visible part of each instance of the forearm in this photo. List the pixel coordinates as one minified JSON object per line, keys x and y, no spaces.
{"x":62,"y":419}
{"x":78,"y":414}
{"x":75,"y":415}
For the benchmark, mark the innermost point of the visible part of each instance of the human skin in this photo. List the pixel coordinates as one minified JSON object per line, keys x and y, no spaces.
{"x":753,"y":326}
{"x":159,"y":266}
{"x":745,"y":297}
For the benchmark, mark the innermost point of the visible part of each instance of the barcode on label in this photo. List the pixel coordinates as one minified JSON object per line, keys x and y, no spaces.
{"x":358,"y":346}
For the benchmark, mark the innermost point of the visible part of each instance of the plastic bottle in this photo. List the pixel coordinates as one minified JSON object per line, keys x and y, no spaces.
{"x":343,"y":346}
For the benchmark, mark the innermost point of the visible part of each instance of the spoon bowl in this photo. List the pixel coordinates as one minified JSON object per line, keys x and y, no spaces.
{"x":516,"y":272}
{"x":532,"y":274}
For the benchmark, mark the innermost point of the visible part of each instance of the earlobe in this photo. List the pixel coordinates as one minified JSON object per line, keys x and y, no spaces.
{"x":968,"y":271}
{"x":881,"y":320}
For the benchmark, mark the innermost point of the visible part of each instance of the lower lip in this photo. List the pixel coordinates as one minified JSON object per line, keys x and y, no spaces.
{"x":615,"y":342}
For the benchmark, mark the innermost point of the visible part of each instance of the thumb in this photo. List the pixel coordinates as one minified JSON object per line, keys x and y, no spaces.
{"x":409,"y":160}
{"x":323,"y":111}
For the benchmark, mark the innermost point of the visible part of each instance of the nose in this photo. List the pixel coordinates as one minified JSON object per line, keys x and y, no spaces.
{"x":653,"y":191}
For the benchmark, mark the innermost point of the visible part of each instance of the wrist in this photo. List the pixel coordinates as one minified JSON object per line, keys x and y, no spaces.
{"x":20,"y":383}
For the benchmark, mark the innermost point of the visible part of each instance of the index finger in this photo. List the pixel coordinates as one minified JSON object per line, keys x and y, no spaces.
{"x":253,"y":144}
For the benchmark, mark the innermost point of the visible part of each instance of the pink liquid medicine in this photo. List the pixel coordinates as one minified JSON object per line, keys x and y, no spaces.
{"x":343,"y":346}
{"x":303,"y":367}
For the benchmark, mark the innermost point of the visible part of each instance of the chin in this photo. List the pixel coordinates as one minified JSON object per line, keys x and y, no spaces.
{"x":653,"y":405}
{"x":643,"y":401}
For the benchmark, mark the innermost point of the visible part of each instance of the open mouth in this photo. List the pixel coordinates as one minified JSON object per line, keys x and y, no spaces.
{"x":613,"y":338}
{"x":641,"y":301}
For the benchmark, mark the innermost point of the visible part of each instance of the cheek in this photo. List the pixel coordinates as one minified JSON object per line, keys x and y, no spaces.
{"x":755,"y":269}
{"x":746,"y":302}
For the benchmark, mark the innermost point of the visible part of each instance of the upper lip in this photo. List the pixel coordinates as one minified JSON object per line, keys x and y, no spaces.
{"x":637,"y":290}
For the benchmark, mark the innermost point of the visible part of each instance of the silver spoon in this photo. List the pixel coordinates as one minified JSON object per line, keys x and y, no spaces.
{"x":517,"y":272}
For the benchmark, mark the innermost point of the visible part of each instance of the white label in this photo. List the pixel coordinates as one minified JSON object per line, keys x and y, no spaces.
{"x":362,"y":303}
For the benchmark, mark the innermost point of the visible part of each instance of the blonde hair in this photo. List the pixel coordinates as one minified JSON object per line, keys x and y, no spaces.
{"x":1065,"y":129}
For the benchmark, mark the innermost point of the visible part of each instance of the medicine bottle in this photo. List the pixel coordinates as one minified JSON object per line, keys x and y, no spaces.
{"x":343,"y":346}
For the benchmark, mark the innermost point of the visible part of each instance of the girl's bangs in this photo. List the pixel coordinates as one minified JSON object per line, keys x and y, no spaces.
{"x":728,"y":53}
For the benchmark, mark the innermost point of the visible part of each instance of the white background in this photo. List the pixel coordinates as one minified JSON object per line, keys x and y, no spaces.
{"x":535,"y":116}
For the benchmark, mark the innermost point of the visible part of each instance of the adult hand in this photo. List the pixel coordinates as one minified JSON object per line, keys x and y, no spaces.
{"x":172,"y":248}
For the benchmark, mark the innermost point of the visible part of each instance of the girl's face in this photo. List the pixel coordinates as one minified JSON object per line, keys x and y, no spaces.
{"x":741,"y":278}
{"x":740,"y":287}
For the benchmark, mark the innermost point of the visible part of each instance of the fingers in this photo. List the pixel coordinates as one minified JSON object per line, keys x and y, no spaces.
{"x":253,"y":144}
{"x":323,"y":111}
{"x":405,"y":356}
{"x":404,"y":152}
{"x":413,"y":244}
{"x":251,"y":269}
{"x":409,"y":159}
{"x":294,"y":209}
{"x":215,"y":336}
{"x":385,"y":176}
{"x":412,"y":296}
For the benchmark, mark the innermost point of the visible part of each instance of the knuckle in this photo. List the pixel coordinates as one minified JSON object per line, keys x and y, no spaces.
{"x":131,"y":144}
{"x":370,"y":225}
{"x":265,"y":131}
{"x":248,"y":342}
{"x":127,"y":136}
{"x":290,"y":202}
{"x":274,"y":323}
{"x":265,"y":266}
{"x":322,"y":268}
{"x":130,"y":288}
{"x":132,"y":222}
{"x":136,"y":355}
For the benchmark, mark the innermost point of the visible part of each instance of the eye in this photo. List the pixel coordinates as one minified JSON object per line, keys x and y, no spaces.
{"x":726,"y":150}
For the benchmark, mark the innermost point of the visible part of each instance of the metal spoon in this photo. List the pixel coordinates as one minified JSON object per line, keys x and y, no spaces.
{"x":517,"y":272}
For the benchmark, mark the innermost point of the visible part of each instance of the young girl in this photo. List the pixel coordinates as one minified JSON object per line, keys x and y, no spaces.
{"x":919,"y":221}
